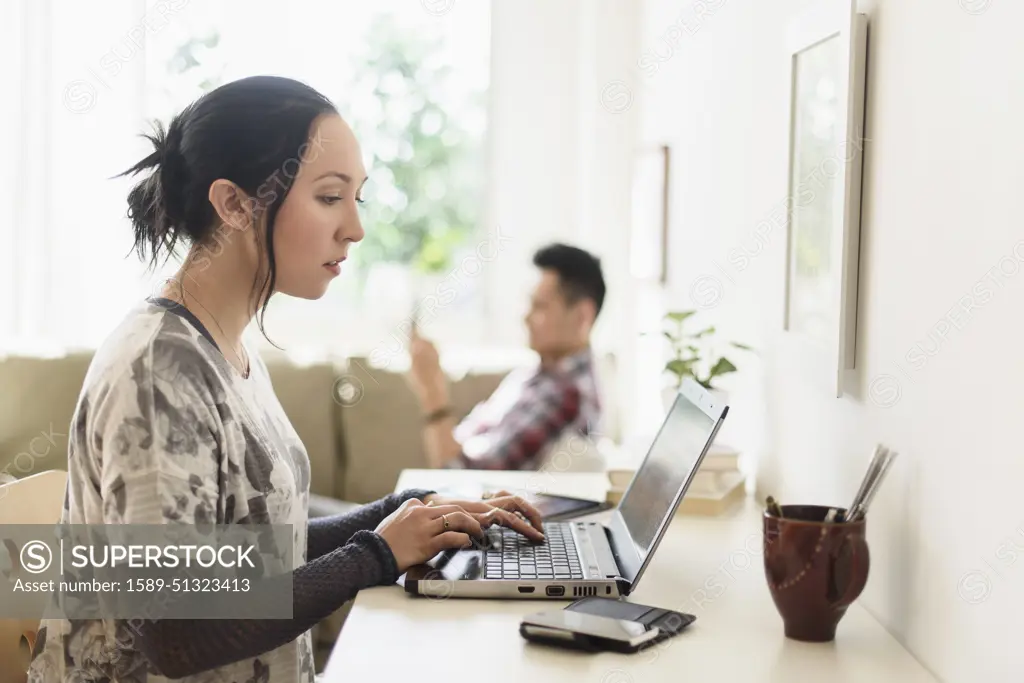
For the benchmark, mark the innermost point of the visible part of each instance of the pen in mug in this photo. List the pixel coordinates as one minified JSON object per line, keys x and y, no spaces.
{"x":876,"y":482}
{"x":876,"y":458}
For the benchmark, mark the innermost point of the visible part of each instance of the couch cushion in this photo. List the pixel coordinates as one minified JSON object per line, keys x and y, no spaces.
{"x":305,"y":392}
{"x":382,"y":423}
{"x":36,"y":404}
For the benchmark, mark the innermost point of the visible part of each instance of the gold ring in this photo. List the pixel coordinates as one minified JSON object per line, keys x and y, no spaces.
{"x":444,"y":518}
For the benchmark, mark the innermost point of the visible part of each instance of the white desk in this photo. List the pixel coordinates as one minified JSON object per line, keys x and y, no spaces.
{"x":711,"y":568}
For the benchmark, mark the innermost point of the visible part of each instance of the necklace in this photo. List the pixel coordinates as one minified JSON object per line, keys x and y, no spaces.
{"x":245,"y":367}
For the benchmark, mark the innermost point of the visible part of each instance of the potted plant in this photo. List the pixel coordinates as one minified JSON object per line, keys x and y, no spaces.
{"x":694,"y":354}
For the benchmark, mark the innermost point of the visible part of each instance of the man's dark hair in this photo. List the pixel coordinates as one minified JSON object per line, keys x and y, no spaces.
{"x":579,"y":272}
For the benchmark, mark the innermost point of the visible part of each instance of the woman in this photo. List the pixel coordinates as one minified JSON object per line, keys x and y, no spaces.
{"x":177,"y":421}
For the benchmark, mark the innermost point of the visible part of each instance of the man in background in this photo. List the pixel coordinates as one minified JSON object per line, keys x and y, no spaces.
{"x":531,"y":408}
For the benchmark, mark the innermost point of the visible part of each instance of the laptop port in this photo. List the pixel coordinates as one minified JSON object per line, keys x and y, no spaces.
{"x":555,"y":590}
{"x":526,"y":589}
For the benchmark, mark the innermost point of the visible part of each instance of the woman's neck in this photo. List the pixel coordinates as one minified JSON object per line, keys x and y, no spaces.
{"x":218,"y":292}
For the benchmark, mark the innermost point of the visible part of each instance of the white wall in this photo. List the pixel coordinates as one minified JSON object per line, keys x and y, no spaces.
{"x":941,"y":215}
{"x":560,"y":162}
{"x":533,"y":151}
{"x":75,"y":82}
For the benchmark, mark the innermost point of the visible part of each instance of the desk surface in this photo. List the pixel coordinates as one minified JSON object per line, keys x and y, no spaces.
{"x":709,"y":567}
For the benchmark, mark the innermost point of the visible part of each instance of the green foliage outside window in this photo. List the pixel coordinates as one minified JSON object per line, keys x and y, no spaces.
{"x":424,"y":192}
{"x":425,"y":177}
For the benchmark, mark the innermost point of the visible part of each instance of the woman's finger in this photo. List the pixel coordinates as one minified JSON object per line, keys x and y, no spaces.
{"x":435,"y":511}
{"x":512,"y":521}
{"x":460,"y":521}
{"x":517,"y":503}
{"x":450,"y":539}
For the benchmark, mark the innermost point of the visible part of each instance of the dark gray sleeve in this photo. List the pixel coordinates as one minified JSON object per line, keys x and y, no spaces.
{"x":328,"y":533}
{"x":184,"y":647}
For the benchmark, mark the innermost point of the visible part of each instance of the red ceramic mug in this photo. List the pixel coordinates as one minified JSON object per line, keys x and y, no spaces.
{"x":815,"y":570}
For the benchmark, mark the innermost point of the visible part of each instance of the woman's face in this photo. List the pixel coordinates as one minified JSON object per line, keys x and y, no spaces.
{"x":319,"y":219}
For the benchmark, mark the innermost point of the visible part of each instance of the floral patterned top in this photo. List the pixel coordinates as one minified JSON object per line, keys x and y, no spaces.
{"x":166,"y":431}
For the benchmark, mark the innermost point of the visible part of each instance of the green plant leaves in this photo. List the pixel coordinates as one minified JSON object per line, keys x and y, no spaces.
{"x":422,"y":202}
{"x":692,"y":351}
{"x":679,"y":316}
{"x":678,"y":366}
{"x":722,"y":367}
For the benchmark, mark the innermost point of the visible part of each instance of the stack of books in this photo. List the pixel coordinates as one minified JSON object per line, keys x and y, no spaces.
{"x":717,"y":486}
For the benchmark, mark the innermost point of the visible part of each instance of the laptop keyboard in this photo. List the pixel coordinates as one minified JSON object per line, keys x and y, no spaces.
{"x":510,"y":555}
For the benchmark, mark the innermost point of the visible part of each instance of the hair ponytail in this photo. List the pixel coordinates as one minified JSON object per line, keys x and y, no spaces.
{"x":155,"y":203}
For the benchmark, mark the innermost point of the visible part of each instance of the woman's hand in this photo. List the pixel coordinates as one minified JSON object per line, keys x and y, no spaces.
{"x":416,"y":532}
{"x":502,"y":508}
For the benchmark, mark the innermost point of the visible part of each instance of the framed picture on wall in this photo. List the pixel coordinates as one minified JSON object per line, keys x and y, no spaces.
{"x":827,"y":47}
{"x":648,"y":251}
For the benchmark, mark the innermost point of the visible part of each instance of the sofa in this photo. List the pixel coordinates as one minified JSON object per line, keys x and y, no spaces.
{"x":360,"y":425}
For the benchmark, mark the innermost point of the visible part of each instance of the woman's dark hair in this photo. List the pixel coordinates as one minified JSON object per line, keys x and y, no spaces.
{"x":253,"y":132}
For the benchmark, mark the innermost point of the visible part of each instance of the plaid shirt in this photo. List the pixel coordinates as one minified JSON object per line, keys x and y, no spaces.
{"x":530,"y":409}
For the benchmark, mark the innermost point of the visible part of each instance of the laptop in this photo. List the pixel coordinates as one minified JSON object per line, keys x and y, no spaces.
{"x":585,"y":558}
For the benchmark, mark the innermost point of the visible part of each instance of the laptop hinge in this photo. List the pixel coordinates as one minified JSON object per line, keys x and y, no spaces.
{"x":625,"y":585}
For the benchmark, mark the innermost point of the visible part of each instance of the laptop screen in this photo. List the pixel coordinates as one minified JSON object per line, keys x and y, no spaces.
{"x":675,"y":452}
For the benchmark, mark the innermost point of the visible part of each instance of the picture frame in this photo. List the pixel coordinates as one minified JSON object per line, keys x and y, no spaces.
{"x":649,"y":232}
{"x":827,"y":49}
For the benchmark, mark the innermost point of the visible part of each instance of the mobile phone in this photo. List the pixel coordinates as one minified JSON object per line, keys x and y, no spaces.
{"x":587,"y":631}
{"x":414,"y":318}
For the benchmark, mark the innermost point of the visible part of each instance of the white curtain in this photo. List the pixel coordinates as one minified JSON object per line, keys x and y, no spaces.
{"x":76,"y":80}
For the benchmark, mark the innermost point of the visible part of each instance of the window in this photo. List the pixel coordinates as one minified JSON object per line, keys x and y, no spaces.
{"x":411,"y":83}
{"x":411,"y":78}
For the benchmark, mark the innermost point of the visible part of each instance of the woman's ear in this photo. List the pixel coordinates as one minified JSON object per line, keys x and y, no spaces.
{"x":233,"y":205}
